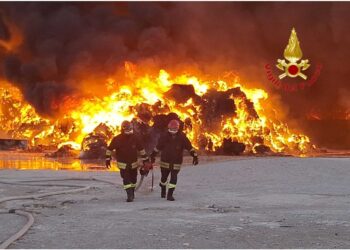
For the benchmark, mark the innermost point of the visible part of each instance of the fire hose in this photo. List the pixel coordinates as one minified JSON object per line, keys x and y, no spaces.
{"x":141,"y":181}
{"x":21,"y":232}
{"x":28,"y":215}
{"x":149,"y":168}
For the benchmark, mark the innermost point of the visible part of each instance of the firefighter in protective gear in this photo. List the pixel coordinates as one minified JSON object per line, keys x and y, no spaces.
{"x":172,"y":145}
{"x":127,"y":145}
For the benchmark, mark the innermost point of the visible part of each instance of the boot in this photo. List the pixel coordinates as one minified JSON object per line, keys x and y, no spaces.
{"x":170,"y":194}
{"x":129,"y":194}
{"x":163,"y":190}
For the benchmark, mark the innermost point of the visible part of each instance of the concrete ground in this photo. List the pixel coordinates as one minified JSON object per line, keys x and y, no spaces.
{"x":275,"y":202}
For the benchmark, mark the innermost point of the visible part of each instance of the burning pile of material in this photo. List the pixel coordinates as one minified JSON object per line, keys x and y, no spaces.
{"x":66,"y":59}
{"x":218,"y":116}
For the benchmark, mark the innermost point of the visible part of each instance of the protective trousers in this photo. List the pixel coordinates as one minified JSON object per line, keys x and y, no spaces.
{"x":129,"y":177}
{"x":172,"y":183}
{"x":165,"y":172}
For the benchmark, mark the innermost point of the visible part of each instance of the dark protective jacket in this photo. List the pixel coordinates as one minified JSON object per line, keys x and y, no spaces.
{"x":172,"y":147}
{"x":126,"y":147}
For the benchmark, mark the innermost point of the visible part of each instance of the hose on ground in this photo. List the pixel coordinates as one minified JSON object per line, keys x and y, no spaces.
{"x":141,"y":180}
{"x":20,"y":233}
{"x":29,"y":216}
{"x":37,"y":196}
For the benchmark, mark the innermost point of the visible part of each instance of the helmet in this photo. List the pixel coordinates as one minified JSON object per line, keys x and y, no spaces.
{"x":127,"y":127}
{"x":173,"y":126}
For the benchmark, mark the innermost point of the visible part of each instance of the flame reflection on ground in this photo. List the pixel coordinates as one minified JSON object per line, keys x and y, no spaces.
{"x":36,"y":161}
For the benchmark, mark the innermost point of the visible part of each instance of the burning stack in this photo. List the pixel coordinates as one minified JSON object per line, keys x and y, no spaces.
{"x":221,"y":117}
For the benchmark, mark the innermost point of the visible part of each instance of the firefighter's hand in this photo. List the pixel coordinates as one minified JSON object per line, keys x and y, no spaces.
{"x":108,"y":163}
{"x":195,"y":160}
{"x":147,"y":165}
{"x":195,"y":157}
{"x":143,"y":172}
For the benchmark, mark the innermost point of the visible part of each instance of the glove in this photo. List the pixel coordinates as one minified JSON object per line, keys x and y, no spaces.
{"x":153,"y":156}
{"x":195,"y":160}
{"x":108,"y":163}
{"x":195,"y":157}
{"x":143,"y":172}
{"x":147,"y":165}
{"x":146,"y":162}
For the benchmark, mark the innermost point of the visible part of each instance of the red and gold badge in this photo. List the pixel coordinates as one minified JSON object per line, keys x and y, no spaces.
{"x":293,"y":54}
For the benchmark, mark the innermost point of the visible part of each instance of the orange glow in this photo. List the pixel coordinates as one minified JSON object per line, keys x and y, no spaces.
{"x":119,"y":104}
{"x":30,"y":161}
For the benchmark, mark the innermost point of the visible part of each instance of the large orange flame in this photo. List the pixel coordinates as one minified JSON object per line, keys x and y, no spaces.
{"x":19,"y":119}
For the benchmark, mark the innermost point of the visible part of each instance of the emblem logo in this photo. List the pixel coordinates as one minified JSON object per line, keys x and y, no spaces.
{"x":293,"y":53}
{"x":293,"y":67}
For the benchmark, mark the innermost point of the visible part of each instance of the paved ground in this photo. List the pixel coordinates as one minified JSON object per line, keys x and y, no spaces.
{"x":243,"y":203}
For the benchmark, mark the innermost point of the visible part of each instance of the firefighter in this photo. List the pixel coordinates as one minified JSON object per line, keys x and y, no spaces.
{"x":172,"y":145}
{"x":127,"y":145}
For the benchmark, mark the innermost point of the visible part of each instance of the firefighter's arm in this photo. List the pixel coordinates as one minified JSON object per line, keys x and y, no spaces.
{"x":109,"y":153}
{"x":154,"y":154}
{"x":157,"y":149}
{"x":108,"y":158}
{"x":146,"y":163}
{"x":142,"y":151}
{"x":192,"y":151}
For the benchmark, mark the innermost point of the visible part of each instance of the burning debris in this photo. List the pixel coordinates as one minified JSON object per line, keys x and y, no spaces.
{"x":261,"y":149}
{"x":94,"y":146}
{"x":217,"y":116}
{"x":12,"y":144}
{"x":64,"y":151}
{"x":230,"y":147}
{"x":182,"y":93}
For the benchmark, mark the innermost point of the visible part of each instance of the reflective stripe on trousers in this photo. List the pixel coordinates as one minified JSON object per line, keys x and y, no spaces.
{"x":167,"y":165}
{"x":163,"y":183}
{"x":131,"y":185}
